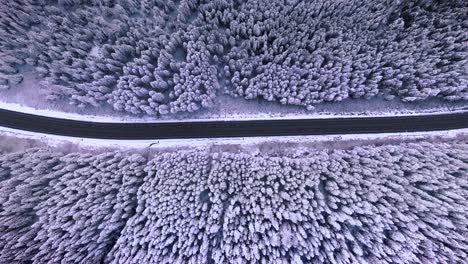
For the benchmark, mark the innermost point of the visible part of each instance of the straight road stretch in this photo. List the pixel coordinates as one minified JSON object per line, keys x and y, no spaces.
{"x":227,"y":129}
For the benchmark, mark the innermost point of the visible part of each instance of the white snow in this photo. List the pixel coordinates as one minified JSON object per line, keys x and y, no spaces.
{"x":53,"y":140}
{"x":94,"y":51}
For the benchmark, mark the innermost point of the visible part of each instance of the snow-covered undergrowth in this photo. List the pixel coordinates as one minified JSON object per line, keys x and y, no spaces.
{"x":289,"y":144}
{"x":235,"y":113}
{"x":162,"y":57}
{"x":393,"y":203}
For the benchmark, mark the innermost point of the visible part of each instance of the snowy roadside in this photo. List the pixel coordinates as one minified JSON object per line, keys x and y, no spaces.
{"x":251,"y":142}
{"x":215,"y":117}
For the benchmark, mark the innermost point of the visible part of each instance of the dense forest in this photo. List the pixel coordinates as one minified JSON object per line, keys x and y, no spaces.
{"x":159,"y":57}
{"x":394,"y":203}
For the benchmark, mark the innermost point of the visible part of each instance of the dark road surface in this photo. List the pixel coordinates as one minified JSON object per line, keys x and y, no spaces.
{"x":218,"y":129}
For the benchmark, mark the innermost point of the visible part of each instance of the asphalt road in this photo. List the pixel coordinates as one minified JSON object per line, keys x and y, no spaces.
{"x":221,"y":129}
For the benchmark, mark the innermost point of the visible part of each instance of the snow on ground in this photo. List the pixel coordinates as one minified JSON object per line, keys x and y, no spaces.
{"x":235,"y":116}
{"x":254,"y":143}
